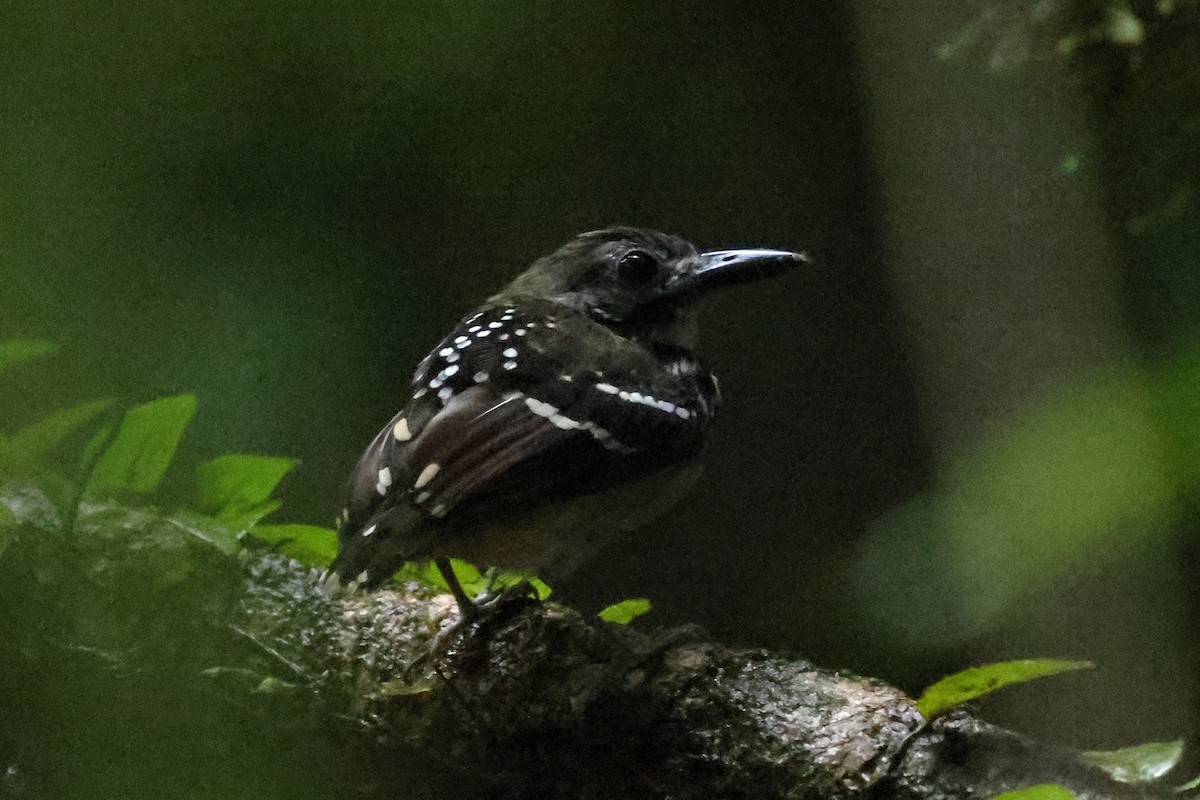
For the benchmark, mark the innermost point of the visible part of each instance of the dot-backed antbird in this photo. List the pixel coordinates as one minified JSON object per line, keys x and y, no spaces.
{"x":567,"y":409}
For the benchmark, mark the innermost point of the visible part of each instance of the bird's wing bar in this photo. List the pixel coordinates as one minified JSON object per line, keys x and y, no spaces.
{"x":522,"y":450}
{"x":479,"y":436}
{"x":504,"y":416}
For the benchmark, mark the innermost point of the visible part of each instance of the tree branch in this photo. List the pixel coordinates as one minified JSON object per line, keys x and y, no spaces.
{"x":541,"y":701}
{"x":532,"y":700}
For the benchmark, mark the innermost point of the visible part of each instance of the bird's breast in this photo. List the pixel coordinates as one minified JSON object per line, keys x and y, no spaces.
{"x":552,"y":540}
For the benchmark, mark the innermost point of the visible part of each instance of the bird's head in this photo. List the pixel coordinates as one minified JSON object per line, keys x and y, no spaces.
{"x":640,"y":281}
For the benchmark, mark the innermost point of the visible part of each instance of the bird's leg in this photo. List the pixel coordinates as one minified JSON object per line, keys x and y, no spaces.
{"x":472,"y":614}
{"x":466,"y":605}
{"x":468,"y":611}
{"x":489,"y":589}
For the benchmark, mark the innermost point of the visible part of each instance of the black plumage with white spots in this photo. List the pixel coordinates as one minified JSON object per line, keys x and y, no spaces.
{"x":532,"y":425}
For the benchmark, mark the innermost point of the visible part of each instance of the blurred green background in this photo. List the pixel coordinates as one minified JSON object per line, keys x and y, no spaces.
{"x":969,"y":434}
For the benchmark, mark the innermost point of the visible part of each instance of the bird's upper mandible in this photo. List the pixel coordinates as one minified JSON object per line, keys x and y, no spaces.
{"x":577,"y":380}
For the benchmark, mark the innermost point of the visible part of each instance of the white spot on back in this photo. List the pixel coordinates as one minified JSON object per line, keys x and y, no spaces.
{"x":605,"y":438}
{"x":385,"y":480}
{"x":450,"y":370}
{"x":481,"y":377}
{"x":556,"y":419}
{"x":445,"y":351}
{"x":369,"y":530}
{"x":426,"y":475}
{"x":643,"y":399}
{"x":564,"y":423}
{"x":540,"y":408}
{"x":510,"y":365}
{"x":494,"y":325}
{"x":510,"y":352}
{"x":445,"y":394}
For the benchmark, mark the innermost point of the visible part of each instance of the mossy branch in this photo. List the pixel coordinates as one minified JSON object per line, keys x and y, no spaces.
{"x":535,"y":700}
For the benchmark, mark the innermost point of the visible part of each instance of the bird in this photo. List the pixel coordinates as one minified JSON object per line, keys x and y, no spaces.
{"x":567,"y":410}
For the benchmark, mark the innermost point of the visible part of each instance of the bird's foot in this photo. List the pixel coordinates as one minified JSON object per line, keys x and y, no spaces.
{"x":490,"y":593}
{"x":493,"y":604}
{"x":474,"y":616}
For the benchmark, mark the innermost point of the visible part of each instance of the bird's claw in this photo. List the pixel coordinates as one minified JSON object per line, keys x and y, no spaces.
{"x":491,"y":604}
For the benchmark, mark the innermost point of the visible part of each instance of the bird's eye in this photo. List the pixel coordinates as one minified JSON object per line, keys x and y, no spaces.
{"x":637,"y":267}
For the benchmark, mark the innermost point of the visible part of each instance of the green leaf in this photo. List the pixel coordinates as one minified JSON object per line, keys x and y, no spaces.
{"x":625,"y":611}
{"x":33,"y":443}
{"x":469,"y":577}
{"x":212,"y":532}
{"x":978,"y":681}
{"x":1194,"y":783}
{"x":144,"y":446}
{"x":1043,"y":791}
{"x":543,"y":589}
{"x":421,"y":573}
{"x":504,"y":579}
{"x":270,"y":685}
{"x":18,"y":351}
{"x":308,"y":544}
{"x":1141,"y":763}
{"x":251,"y":516}
{"x":96,"y":445}
{"x":236,"y":488}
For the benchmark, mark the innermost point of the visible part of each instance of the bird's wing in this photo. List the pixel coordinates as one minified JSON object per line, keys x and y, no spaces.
{"x":522,"y":404}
